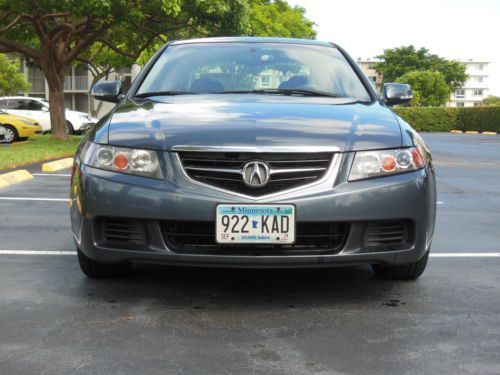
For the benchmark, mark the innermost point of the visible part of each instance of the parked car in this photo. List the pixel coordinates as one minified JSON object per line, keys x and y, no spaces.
{"x":15,"y":128}
{"x":253,"y":152}
{"x":38,"y":109}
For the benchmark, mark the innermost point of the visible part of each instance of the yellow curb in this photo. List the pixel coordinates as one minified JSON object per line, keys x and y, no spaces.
{"x":472,"y":132}
{"x":57,"y":165}
{"x":18,"y":143}
{"x":15,"y":177}
{"x":456,"y":131}
{"x":489,"y":133}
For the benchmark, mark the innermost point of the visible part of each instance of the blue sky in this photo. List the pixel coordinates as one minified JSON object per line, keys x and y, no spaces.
{"x":456,"y":29}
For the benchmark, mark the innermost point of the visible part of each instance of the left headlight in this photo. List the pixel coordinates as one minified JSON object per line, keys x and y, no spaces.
{"x":369,"y":164}
{"x":124,"y":160}
{"x":27,"y":122}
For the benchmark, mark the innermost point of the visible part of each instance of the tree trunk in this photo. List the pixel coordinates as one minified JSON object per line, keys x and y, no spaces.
{"x":57,"y":114}
{"x":55,"y":80}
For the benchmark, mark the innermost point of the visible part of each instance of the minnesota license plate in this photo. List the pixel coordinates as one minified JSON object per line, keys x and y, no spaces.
{"x":255,"y":224}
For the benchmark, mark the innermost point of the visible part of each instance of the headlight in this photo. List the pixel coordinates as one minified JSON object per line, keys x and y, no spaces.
{"x":369,"y":164}
{"x":124,"y":160}
{"x":27,"y":122}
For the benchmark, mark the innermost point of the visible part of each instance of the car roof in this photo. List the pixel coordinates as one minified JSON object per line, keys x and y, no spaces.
{"x":254,"y":40}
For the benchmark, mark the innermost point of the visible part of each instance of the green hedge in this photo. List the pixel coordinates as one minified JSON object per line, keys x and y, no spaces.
{"x":440,"y":119}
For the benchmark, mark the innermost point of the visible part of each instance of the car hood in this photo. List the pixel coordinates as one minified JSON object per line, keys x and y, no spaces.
{"x":259,"y":121}
{"x":5,"y":118}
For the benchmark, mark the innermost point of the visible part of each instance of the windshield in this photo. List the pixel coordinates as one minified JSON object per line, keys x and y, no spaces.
{"x":268,"y":68}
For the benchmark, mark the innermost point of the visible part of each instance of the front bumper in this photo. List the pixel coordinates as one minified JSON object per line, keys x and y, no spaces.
{"x":96,"y":194}
{"x":28,"y":131}
{"x":82,"y":127}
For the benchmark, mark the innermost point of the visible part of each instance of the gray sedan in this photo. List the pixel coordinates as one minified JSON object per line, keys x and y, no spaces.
{"x":253,"y":152}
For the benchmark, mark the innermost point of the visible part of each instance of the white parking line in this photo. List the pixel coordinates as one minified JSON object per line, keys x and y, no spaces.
{"x":464,"y":255}
{"x":67,"y":252}
{"x":35,"y":252}
{"x":34,"y":199}
{"x":51,"y":174}
{"x":438,"y":202}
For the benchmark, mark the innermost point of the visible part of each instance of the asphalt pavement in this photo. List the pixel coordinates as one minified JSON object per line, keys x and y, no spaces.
{"x":168,"y":320}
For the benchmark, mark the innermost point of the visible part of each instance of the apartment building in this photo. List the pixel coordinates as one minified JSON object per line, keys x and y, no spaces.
{"x":77,"y":85}
{"x":368,"y":67}
{"x":475,"y":88}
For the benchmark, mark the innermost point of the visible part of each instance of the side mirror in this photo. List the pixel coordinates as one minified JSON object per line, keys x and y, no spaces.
{"x":396,"y":93}
{"x":45,"y":109}
{"x":107,"y":91}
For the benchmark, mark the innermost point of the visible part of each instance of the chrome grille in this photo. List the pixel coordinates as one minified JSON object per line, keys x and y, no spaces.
{"x":198,"y":237}
{"x":225,"y":169}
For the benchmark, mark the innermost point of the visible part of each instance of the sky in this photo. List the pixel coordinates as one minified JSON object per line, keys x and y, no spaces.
{"x":458,"y":29}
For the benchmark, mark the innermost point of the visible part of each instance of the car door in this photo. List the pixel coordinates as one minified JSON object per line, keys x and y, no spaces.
{"x":36,"y":110}
{"x":13,"y":106}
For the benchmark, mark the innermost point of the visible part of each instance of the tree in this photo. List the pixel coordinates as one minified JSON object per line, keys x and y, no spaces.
{"x":398,"y":61}
{"x":278,"y":18}
{"x":491,"y":101}
{"x":58,"y":33}
{"x":272,"y":18}
{"x":429,"y":88}
{"x":11,"y":80}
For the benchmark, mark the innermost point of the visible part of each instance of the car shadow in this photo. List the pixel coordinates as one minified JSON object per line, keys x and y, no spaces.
{"x":223,"y":289}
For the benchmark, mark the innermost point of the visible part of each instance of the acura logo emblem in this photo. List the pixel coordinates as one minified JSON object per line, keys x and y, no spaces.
{"x":256,"y":173}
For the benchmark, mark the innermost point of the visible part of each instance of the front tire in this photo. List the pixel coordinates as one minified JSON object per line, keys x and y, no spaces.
{"x":98,"y":270}
{"x":69,"y":128}
{"x":11,"y":134}
{"x":410,"y":271}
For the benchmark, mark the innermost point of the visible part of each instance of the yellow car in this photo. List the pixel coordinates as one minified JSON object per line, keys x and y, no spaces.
{"x":18,"y":128}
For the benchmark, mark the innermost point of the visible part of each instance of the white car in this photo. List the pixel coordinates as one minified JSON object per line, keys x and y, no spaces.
{"x":38,"y":110}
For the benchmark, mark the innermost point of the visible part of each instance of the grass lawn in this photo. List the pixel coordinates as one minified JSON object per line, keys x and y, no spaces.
{"x":36,"y":149}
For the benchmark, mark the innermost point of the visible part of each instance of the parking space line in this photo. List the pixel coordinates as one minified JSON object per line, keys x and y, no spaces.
{"x":51,"y":174}
{"x":34,"y":199}
{"x":36,"y":252}
{"x":464,"y":255}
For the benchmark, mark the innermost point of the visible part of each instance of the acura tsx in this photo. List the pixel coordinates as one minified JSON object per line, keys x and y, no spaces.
{"x":253,"y":152}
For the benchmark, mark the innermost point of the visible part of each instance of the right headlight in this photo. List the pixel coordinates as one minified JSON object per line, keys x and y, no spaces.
{"x":124,"y":160}
{"x":369,"y":164}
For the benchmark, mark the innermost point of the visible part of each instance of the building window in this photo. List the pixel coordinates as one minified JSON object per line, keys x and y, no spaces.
{"x":479,"y":79}
{"x":477,"y":92}
{"x":476,"y":104}
{"x":460,"y":104}
{"x":265,"y":81}
{"x":479,"y":66}
{"x":373,"y":79}
{"x":371,"y":66}
{"x":460,"y":93}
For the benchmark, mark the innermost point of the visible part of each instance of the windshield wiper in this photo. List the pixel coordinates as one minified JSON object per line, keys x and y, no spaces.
{"x":305,"y":92}
{"x":162,"y":93}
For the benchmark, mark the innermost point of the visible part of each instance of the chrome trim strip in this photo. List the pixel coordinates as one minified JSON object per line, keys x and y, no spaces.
{"x":239,"y":171}
{"x":295,"y":170}
{"x":277,"y":149}
{"x":221,"y":170}
{"x":327,"y":180}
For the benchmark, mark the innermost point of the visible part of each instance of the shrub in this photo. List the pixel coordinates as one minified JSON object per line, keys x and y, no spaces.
{"x":441,"y":119}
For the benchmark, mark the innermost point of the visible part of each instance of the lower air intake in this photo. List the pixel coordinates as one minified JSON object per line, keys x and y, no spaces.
{"x":388,"y":235}
{"x":121,"y":233}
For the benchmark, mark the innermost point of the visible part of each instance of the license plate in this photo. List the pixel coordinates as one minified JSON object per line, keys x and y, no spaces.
{"x":255,"y":224}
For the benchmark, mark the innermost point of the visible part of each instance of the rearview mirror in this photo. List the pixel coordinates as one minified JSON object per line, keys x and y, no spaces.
{"x":396,"y":93}
{"x":107,"y":91}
